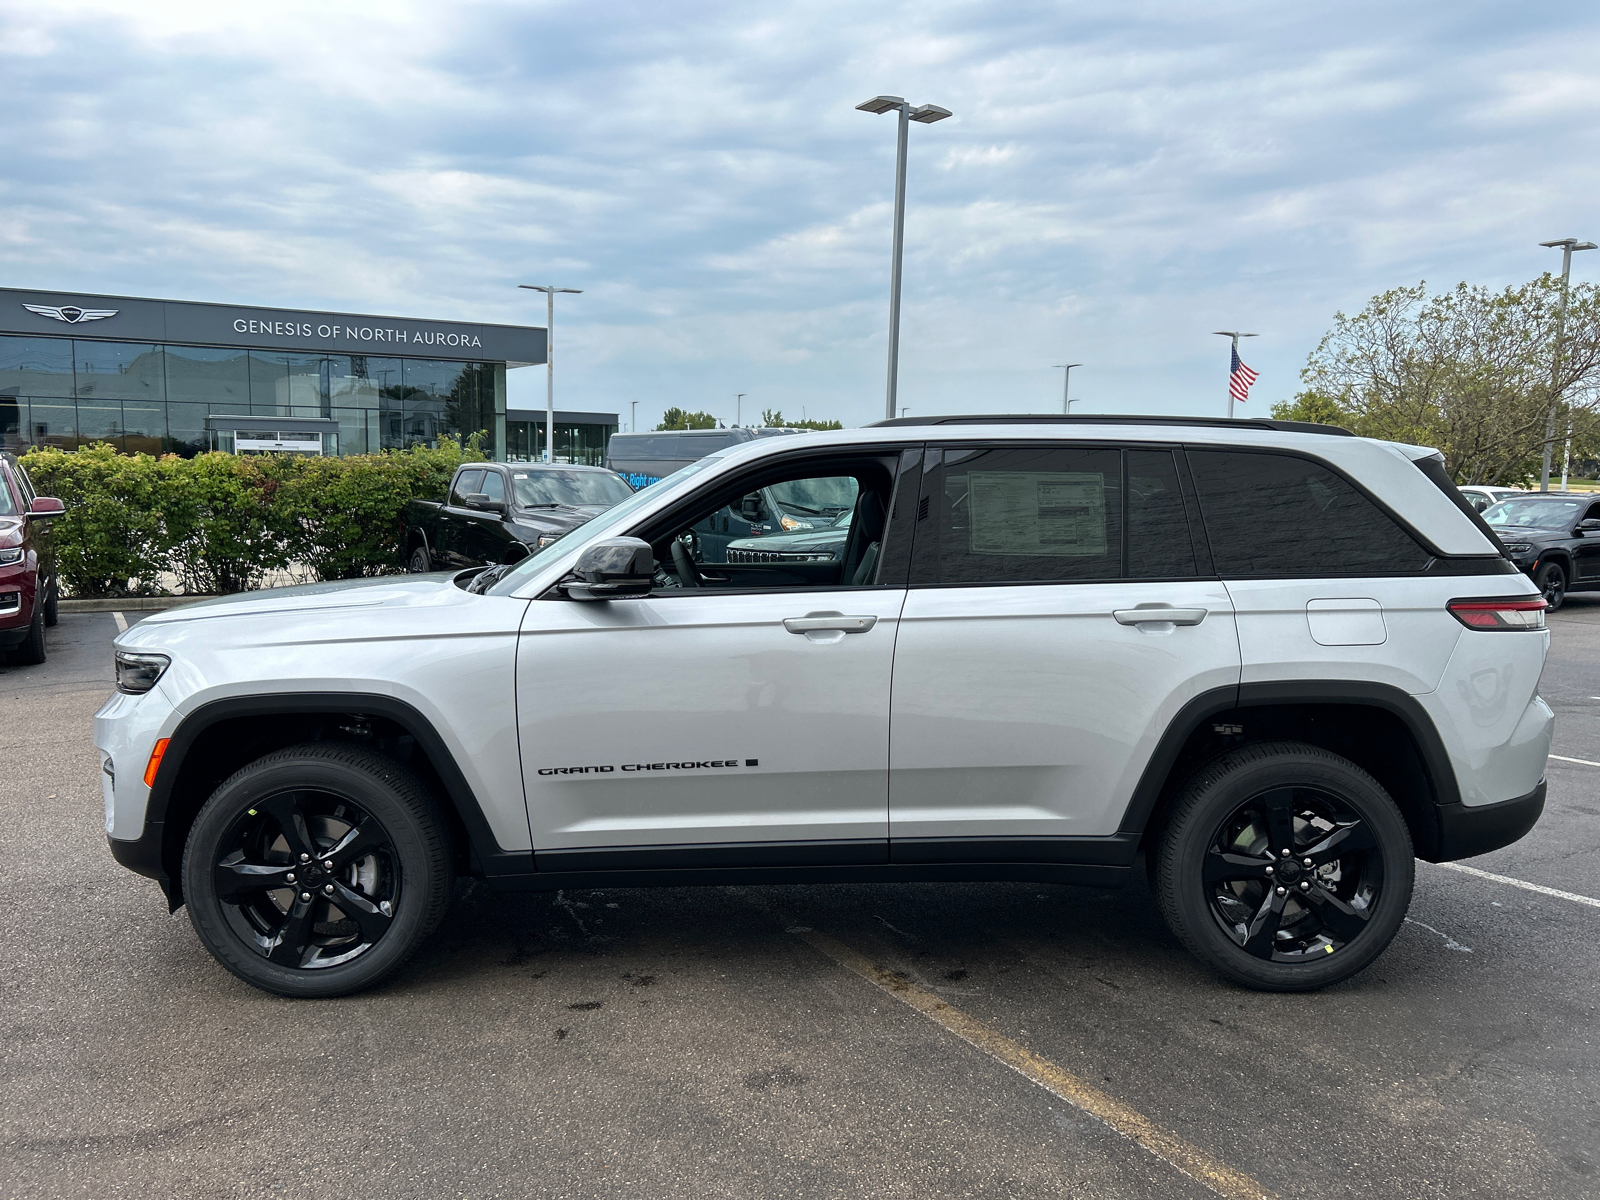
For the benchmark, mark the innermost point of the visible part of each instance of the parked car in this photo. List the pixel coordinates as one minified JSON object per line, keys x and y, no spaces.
{"x":499,"y":512}
{"x":30,"y":592}
{"x":1480,"y":496}
{"x":643,"y":458}
{"x":1553,"y":537}
{"x":1268,"y":663}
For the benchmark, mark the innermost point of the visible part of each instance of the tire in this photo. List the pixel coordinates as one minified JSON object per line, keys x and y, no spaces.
{"x":30,"y":652}
{"x":52,"y":604}
{"x":1332,"y":920}
{"x":1551,"y":579}
{"x":391,"y":870}
{"x":420,"y":562}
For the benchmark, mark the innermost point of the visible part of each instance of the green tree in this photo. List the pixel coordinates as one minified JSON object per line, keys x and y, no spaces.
{"x":676,"y":418}
{"x":773,"y":419}
{"x":1471,"y":371}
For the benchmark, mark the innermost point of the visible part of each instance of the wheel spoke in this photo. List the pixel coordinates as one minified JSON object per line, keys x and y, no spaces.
{"x":1347,"y":839}
{"x":292,"y":944}
{"x":372,"y":920}
{"x":358,"y":841}
{"x":284,"y":808}
{"x":1263,"y":932}
{"x":1339,"y":917}
{"x":233,"y":876}
{"x":1277,"y":806}
{"x":1220,"y":867}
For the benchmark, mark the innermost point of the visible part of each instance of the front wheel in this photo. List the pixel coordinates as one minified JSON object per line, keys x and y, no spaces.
{"x":316,"y":870}
{"x":1552,"y":581}
{"x":1285,"y":867}
{"x":31,"y":652}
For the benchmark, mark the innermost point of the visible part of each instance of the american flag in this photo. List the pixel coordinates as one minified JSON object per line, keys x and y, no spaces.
{"x":1240,"y":379}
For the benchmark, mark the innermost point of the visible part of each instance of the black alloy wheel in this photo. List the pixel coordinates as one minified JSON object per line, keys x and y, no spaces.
{"x":421,"y":562}
{"x":1551,"y":580}
{"x":1285,"y":867}
{"x":52,"y":603}
{"x":316,"y":871}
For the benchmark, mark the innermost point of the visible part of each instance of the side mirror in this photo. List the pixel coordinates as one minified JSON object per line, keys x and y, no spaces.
{"x":49,"y":506}
{"x":610,"y":569}
{"x":752,"y":509}
{"x":1588,"y":526}
{"x":482,"y":503}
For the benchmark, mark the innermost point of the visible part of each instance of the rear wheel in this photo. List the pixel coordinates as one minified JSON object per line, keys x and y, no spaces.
{"x":317,"y":870}
{"x":421,"y":561}
{"x":52,"y":604}
{"x":1551,"y":579}
{"x":1285,"y":867}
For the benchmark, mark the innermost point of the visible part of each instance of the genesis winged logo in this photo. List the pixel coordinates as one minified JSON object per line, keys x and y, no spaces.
{"x":71,"y":313}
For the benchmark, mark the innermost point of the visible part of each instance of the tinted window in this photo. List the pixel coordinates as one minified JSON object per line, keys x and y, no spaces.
{"x":7,"y":507}
{"x":1534,"y":514}
{"x":1275,"y":514}
{"x":494,"y":486}
{"x":535,"y":488}
{"x":466,"y":483}
{"x":1159,"y":545}
{"x":1035,"y":515}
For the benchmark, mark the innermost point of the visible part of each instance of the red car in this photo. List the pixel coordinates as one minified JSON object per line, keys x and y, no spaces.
{"x":29,"y":589}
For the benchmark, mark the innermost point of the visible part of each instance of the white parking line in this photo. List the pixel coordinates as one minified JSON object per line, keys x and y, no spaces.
{"x":122,"y":622}
{"x":1580,"y":761}
{"x":1521,"y":883}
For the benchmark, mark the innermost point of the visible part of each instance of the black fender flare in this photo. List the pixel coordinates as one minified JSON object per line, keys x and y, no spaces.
{"x":151,"y":854}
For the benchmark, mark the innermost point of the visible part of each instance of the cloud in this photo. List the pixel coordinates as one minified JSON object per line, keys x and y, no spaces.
{"x":1116,"y":182}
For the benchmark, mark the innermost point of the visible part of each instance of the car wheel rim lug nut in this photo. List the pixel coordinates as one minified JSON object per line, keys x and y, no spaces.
{"x":328,"y":866}
{"x":1283,"y":891}
{"x":305,"y":895}
{"x":307,"y":857}
{"x":328,"y":888}
{"x":1285,"y":853}
{"x":1269,"y":870}
{"x":1305,"y":887}
{"x":290,"y":877}
{"x":1306,"y":862}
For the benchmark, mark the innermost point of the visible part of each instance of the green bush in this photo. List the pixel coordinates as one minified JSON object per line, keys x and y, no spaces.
{"x":220,"y":522}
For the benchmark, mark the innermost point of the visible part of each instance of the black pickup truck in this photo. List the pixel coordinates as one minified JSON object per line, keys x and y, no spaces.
{"x":501,"y":512}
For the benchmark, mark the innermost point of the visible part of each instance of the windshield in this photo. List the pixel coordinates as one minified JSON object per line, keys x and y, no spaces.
{"x":6,"y":508}
{"x":1534,"y":514}
{"x":601,"y":526}
{"x":535,"y":489}
{"x":831,"y":495}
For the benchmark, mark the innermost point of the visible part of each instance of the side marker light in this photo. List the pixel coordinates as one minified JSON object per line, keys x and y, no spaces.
{"x":154,"y":764}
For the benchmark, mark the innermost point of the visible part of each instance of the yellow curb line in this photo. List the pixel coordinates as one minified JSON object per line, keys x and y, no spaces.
{"x":1169,"y":1147}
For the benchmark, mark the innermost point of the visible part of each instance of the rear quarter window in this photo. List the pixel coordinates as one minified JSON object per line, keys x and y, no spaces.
{"x":1272,"y":514}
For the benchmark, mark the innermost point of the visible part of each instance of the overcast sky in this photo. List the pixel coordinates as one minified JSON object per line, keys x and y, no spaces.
{"x":1118,"y":180}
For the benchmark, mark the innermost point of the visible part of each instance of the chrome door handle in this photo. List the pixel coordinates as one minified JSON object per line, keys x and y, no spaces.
{"x":829,"y":622}
{"x":1172,"y":616}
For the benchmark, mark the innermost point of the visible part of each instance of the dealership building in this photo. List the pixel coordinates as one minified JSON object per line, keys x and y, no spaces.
{"x":173,"y":376}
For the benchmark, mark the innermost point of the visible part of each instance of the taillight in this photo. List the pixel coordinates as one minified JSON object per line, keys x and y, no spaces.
{"x":1523,"y":612}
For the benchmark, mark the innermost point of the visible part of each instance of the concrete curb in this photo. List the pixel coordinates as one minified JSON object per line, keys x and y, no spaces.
{"x":130,"y":604}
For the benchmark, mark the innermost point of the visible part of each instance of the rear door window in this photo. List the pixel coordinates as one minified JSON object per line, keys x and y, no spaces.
{"x":1043,"y":514}
{"x":1272,"y":514}
{"x":1159,"y":542}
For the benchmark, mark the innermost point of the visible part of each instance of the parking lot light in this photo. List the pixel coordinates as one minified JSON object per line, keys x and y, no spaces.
{"x":1568,"y":245}
{"x":549,"y":361}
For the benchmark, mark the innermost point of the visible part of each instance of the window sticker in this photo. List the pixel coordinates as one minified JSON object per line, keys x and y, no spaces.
{"x":1056,"y":513}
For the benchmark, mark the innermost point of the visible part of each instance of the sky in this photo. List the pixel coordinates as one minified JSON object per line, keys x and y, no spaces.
{"x":1118,"y":180}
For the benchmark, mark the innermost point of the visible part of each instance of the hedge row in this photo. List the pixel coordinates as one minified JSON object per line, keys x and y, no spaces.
{"x":220,"y":522}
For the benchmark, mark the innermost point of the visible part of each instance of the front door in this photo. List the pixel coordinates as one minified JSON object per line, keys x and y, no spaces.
{"x":732,"y":709}
{"x":1059,"y":618}
{"x":1586,"y":551}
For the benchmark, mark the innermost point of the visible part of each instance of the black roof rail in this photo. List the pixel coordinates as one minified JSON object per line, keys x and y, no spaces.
{"x":1110,"y":419}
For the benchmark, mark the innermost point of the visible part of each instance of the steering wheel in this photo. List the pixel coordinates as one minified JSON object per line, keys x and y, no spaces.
{"x":687,"y":576}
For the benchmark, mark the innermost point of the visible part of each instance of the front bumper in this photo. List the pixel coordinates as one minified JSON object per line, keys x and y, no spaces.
{"x":1467,"y":830}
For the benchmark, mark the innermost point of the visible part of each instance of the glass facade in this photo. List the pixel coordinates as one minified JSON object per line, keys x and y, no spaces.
{"x":155,"y":398}
{"x":574,"y":443}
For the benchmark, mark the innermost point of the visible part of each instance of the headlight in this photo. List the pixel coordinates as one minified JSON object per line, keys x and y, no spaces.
{"x":549,"y":539}
{"x":8,"y":557}
{"x":790,"y":524}
{"x":1518,"y":547}
{"x":137,"y":672}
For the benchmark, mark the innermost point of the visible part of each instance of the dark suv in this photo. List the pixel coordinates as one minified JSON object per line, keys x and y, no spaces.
{"x":28,"y":586}
{"x":1554,"y":537}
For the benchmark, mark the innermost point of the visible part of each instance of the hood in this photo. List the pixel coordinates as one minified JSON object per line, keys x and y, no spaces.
{"x":811,"y":539}
{"x":1527,"y":531}
{"x":386,"y":591}
{"x":562,"y":519}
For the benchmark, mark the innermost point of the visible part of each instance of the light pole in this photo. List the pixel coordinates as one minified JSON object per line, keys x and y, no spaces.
{"x":633,"y":417}
{"x":1070,"y":403}
{"x":1568,"y":245}
{"x":1066,"y":382}
{"x":737,"y":401}
{"x":925,"y":114}
{"x":549,"y":361}
{"x":1228,"y":333}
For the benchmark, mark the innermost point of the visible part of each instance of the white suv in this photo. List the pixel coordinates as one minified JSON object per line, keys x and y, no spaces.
{"x":1267,"y":663}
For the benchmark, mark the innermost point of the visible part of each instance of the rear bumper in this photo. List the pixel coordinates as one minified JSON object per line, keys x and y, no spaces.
{"x":1467,"y":830}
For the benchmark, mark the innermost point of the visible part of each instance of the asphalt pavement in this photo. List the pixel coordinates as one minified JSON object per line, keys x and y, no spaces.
{"x":983,"y":1040}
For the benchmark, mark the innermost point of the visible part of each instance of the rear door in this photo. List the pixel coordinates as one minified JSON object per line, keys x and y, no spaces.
{"x":455,"y":518}
{"x":1060,"y":614}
